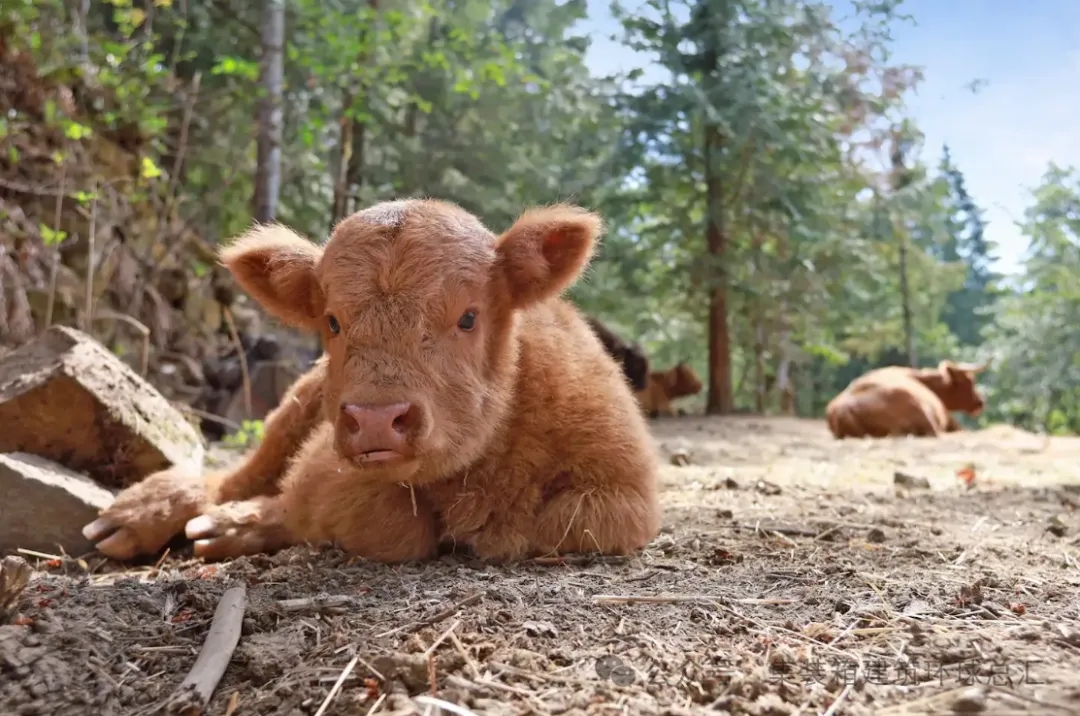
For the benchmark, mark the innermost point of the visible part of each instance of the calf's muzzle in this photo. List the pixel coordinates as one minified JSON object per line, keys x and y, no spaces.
{"x":376,"y":433}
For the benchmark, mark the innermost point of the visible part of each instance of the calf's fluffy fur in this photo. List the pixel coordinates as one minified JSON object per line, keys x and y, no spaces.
{"x":521,"y":436}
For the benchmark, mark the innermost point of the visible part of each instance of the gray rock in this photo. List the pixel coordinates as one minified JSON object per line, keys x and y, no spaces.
{"x":66,"y":398}
{"x":43,"y":506}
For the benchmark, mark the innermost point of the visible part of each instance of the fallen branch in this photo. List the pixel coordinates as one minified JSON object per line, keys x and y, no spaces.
{"x":242,"y":355}
{"x":337,"y":686}
{"x":194,"y":692}
{"x":679,"y":598}
{"x":444,"y":705}
{"x":335,"y":604}
{"x":14,"y":576}
{"x":144,"y":359}
{"x":444,"y":614}
{"x":54,"y":271}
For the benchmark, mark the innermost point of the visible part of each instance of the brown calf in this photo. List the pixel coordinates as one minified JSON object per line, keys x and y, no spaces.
{"x":460,"y":399}
{"x":666,"y":386}
{"x":630,"y":356}
{"x":896,"y":400}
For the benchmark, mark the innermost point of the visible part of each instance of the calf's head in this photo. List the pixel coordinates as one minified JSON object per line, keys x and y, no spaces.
{"x":416,"y":303}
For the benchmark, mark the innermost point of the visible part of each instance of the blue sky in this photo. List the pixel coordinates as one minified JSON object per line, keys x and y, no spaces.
{"x":1026,"y":115}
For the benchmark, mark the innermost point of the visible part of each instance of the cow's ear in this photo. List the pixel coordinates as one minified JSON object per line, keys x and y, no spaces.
{"x":276,"y":266}
{"x":947,"y":369}
{"x":546,"y":250}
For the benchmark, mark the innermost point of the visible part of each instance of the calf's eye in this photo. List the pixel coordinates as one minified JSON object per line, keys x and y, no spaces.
{"x":467,"y":322}
{"x":335,"y":327}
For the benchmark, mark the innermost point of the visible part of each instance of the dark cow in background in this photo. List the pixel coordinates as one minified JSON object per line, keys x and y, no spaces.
{"x":630,"y":356}
{"x":897,"y":400}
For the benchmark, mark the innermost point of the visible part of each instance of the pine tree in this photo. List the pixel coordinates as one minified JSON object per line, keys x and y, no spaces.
{"x":966,"y":310}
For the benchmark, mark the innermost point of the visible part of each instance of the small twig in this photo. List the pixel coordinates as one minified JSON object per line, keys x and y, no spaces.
{"x":444,"y":614}
{"x":555,"y":678}
{"x":171,"y":193}
{"x":576,"y":560}
{"x":30,"y":190}
{"x":89,"y":317}
{"x":444,"y":705}
{"x":14,"y":576}
{"x":839,"y":700}
{"x":243,"y":359}
{"x":377,"y":704}
{"x":469,"y":661}
{"x":330,"y":603}
{"x":39,"y":555}
{"x":828,"y":533}
{"x":195,"y":690}
{"x":55,"y":271}
{"x":107,"y":314}
{"x":679,"y":598}
{"x":211,"y":417}
{"x":337,"y":686}
{"x":435,"y":644}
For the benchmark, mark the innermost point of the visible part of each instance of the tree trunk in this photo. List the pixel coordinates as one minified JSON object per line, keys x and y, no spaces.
{"x":759,"y":367}
{"x":905,"y":298}
{"x":719,"y":396}
{"x":785,"y":386}
{"x":356,"y":165}
{"x":268,"y":171}
{"x":350,"y":168}
{"x":341,"y":179}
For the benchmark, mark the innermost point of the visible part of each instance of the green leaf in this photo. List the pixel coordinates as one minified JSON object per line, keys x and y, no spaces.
{"x":149,"y":170}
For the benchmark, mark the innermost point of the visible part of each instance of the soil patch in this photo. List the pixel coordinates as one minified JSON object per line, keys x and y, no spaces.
{"x":793,"y":575}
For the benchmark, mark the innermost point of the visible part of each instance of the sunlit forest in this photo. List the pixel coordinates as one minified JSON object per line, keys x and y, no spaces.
{"x":768,"y":219}
{"x":777,"y":224}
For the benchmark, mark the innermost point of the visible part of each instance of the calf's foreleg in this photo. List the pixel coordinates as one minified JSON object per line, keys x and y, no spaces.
{"x":145,"y":516}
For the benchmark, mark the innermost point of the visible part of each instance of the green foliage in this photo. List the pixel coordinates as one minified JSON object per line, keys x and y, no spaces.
{"x":1035,"y":337}
{"x":251,"y":433}
{"x":491,"y":105}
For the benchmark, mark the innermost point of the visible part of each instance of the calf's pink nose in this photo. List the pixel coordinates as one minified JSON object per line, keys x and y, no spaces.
{"x":374,"y":430}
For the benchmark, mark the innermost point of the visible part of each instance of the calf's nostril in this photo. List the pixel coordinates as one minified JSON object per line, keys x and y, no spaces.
{"x":405,"y":418}
{"x":348,"y":419}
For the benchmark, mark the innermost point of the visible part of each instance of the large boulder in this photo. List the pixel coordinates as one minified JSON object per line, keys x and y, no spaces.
{"x":66,"y":398}
{"x":43,"y":506}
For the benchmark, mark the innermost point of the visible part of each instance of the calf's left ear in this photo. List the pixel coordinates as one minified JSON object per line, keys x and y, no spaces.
{"x":546,"y":250}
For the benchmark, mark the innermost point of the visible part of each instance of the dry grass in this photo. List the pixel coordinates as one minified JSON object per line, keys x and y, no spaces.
{"x":792,"y":577}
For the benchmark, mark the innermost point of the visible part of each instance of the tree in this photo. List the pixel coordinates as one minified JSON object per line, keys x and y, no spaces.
{"x":968,"y":309}
{"x":1036,"y":335}
{"x":268,"y":168}
{"x":756,"y":139}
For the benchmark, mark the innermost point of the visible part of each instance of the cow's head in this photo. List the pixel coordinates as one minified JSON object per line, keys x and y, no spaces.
{"x":954,"y":383}
{"x":683,"y":381}
{"x":416,"y":304}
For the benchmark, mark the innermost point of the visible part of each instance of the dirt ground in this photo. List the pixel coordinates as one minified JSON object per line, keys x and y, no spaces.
{"x":794,"y":575}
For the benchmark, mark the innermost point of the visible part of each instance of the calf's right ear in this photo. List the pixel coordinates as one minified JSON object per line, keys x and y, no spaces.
{"x":276,"y":267}
{"x":546,"y":250}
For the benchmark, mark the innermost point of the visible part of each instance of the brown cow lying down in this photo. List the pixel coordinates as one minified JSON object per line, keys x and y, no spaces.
{"x":896,"y":400}
{"x":634,"y":362}
{"x":666,"y":386}
{"x":460,"y":399}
